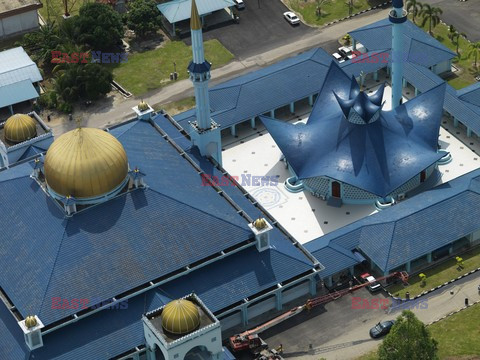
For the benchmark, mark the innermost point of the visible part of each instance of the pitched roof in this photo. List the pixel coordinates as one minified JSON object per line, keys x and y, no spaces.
{"x":16,"y":66}
{"x":178,"y":10}
{"x":17,"y":92}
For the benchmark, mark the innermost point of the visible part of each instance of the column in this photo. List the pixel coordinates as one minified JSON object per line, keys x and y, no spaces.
{"x":408,"y":266}
{"x":310,"y":100}
{"x":404,"y":82}
{"x":244,"y":314}
{"x":233,"y":130}
{"x":375,"y":75}
{"x":350,"y":269}
{"x":416,"y":91}
{"x":385,"y":273}
{"x":362,"y":79}
{"x":173,"y":29}
{"x":10,"y":107}
{"x":455,"y":122}
{"x":272,"y":113}
{"x":450,"y":250}
{"x":150,"y":353}
{"x":354,"y":44}
{"x":292,"y":107}
{"x":252,"y":122}
{"x":429,"y":257}
{"x":313,"y":285}
{"x":469,"y":132}
{"x":329,"y":281}
{"x":388,"y":70}
{"x":278,"y":298}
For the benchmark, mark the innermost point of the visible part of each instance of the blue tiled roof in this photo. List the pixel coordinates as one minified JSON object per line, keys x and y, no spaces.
{"x":470,"y":94}
{"x":377,"y":156}
{"x":419,"y":46}
{"x":414,"y":227}
{"x":334,"y":259}
{"x":260,"y":91}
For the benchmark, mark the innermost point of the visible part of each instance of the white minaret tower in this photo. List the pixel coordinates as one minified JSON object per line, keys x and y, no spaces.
{"x":397,"y":17}
{"x":205,"y":133}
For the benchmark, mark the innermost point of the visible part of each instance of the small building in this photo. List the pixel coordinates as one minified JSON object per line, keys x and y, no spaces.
{"x":19,"y":78}
{"x":18,"y":16}
{"x":177,"y":11}
{"x":23,"y":137}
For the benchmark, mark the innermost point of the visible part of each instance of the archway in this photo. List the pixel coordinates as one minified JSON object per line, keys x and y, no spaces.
{"x":198,"y":353}
{"x":336,"y":189}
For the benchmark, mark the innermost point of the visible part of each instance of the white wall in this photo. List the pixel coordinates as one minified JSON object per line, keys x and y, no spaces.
{"x":19,"y":23}
{"x":442,"y":67}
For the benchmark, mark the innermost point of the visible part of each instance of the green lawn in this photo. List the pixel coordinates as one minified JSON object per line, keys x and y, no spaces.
{"x":176,"y":107}
{"x":150,"y":70}
{"x":55,"y":8}
{"x":459,"y":334}
{"x":466,"y":76}
{"x":332,"y":10}
{"x":438,"y":275}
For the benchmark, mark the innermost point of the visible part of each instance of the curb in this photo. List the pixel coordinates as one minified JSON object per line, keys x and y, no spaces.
{"x":454,"y":312}
{"x":435,"y":288}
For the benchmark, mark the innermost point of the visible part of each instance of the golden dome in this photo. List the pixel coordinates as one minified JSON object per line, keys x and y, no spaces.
{"x":85,"y":163}
{"x":143,"y":106}
{"x":260,"y":223}
{"x":30,"y":321}
{"x":20,"y":127}
{"x":180,"y":317}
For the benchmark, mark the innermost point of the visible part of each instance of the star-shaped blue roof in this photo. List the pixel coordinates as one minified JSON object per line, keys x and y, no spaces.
{"x":343,"y":139}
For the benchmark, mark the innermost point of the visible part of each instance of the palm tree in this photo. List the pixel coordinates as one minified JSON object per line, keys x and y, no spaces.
{"x":430,"y":14}
{"x":41,"y":43}
{"x":474,"y":50}
{"x":414,"y":8}
{"x":456,"y":36}
{"x":451,"y":32}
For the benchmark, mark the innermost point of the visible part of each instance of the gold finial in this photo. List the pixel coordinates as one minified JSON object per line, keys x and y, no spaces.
{"x":260,"y":223}
{"x":195,"y":23}
{"x":143,"y":106}
{"x":30,"y":321}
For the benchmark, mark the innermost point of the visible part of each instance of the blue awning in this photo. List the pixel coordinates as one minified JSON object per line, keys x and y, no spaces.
{"x":359,"y":256}
{"x":17,"y":92}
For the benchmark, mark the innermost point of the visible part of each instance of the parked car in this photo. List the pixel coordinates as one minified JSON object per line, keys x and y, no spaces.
{"x":374,"y":285}
{"x":338,"y":57}
{"x":381,"y":329}
{"x":291,"y":17}
{"x":239,"y":4}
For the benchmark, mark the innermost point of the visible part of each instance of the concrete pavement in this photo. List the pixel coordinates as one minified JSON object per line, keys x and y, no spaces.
{"x":354,"y":339}
{"x":115,"y":109}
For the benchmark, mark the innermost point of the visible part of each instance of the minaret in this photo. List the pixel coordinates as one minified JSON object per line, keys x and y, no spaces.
{"x":205,"y":133}
{"x":397,"y":17}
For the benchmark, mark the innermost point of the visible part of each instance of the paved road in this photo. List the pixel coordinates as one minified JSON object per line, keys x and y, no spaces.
{"x":260,"y":29}
{"x":113,"y":111}
{"x":341,"y":333}
{"x":464,"y":15}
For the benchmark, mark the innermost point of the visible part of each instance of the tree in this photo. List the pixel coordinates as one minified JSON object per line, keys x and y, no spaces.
{"x":349,"y":3}
{"x":456,"y":36}
{"x":474,"y":50}
{"x":414,"y":8}
{"x":430,"y":14}
{"x":451,"y":32}
{"x":40,"y":44}
{"x":143,"y":17}
{"x":98,"y":26}
{"x":320,"y":3}
{"x":408,"y":339}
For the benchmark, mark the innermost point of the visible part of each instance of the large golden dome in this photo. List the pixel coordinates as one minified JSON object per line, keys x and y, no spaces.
{"x":19,"y":127}
{"x":85,"y":163}
{"x":180,"y":317}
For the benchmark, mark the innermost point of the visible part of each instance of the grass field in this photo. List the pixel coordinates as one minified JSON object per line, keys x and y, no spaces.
{"x":439,"y":275}
{"x":466,"y":76}
{"x":332,"y":10}
{"x":55,"y":8}
{"x":150,"y":70}
{"x":176,"y":107}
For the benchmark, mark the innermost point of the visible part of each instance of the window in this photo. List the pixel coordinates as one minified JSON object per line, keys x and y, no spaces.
{"x":35,"y":338}
{"x":214,"y":339}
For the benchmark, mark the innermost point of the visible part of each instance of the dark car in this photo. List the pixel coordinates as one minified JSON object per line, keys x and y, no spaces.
{"x":381,"y":329}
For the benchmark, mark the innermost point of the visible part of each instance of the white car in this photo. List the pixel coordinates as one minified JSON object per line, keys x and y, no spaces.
{"x":239,"y":4}
{"x":338,"y":57}
{"x":291,"y":17}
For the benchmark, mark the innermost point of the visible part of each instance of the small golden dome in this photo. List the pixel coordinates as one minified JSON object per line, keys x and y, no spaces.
{"x":180,"y":317}
{"x":19,"y":128}
{"x":143,"y":106}
{"x":260,"y":223}
{"x":85,"y":163}
{"x":30,"y":321}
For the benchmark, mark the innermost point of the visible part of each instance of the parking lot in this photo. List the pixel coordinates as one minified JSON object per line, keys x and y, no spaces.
{"x":260,"y":29}
{"x":464,"y":15}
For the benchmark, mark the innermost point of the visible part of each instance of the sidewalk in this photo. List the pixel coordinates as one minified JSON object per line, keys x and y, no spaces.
{"x":113,"y":111}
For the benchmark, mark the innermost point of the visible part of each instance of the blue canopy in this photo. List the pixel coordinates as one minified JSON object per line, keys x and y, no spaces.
{"x":378,"y":154}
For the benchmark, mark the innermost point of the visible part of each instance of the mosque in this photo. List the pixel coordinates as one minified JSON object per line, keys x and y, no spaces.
{"x":113,"y":248}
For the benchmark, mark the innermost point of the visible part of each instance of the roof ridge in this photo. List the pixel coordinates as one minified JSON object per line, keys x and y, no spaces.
{"x":341,"y":249}
{"x":194,"y":207}
{"x":391,"y":242}
{"x":291,"y":257}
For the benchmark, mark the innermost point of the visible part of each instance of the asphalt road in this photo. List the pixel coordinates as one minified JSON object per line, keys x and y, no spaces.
{"x":464,"y":15}
{"x":260,"y":29}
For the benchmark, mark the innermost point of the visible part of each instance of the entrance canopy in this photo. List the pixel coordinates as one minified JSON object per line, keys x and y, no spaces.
{"x":178,"y":10}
